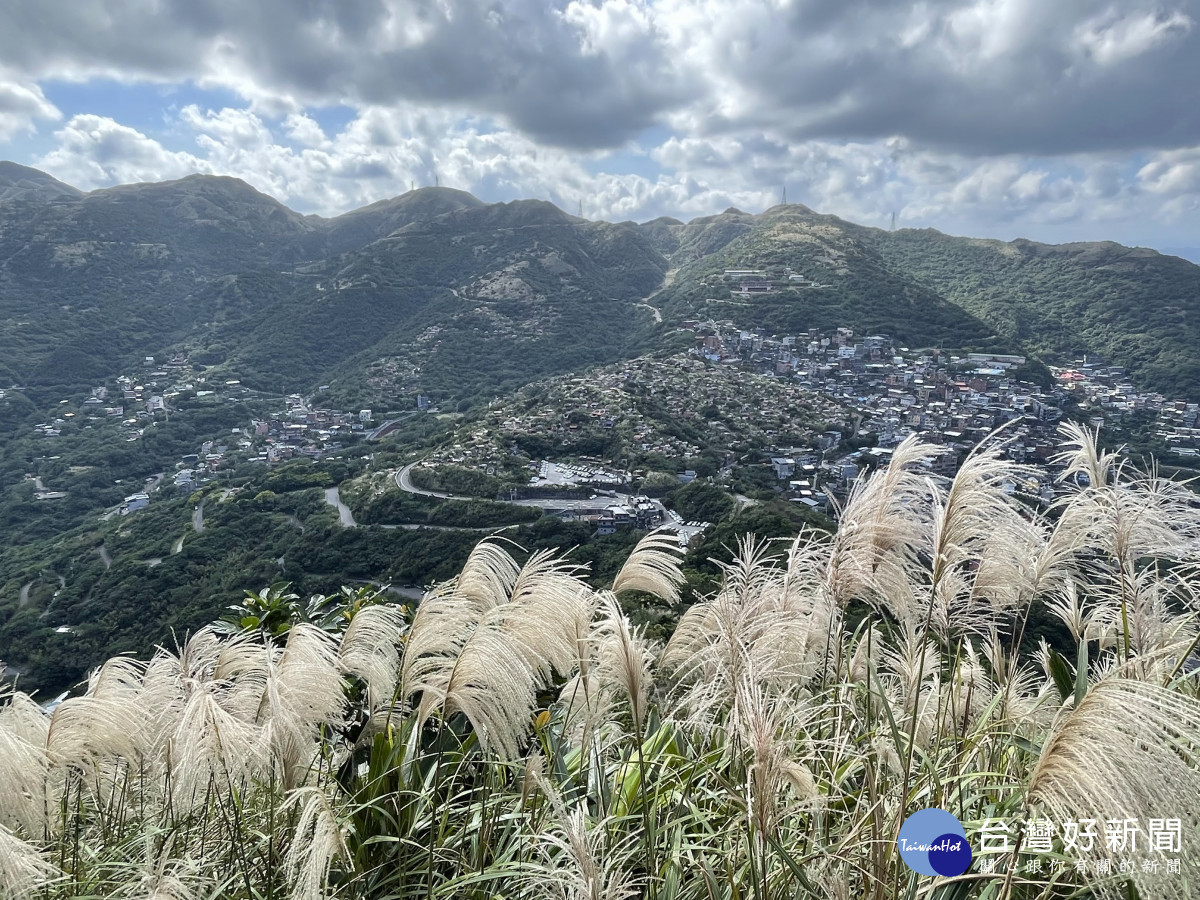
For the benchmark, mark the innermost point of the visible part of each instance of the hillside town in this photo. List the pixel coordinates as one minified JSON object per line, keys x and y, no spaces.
{"x":812,"y":409}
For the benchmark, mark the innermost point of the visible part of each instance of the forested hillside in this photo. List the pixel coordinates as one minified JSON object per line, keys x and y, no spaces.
{"x":1131,"y":306}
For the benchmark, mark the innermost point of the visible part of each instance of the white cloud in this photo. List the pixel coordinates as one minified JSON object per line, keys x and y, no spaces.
{"x":971,"y":114}
{"x":382,"y":152}
{"x":21,"y":104}
{"x":1115,"y":38}
{"x":305,"y":131}
{"x":1175,"y":172}
{"x":96,"y":151}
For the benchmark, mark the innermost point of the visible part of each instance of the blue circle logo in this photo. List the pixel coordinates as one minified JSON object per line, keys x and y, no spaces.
{"x":933,"y":842}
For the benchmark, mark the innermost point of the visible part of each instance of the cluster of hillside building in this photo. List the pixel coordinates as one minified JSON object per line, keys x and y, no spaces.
{"x":303,"y":431}
{"x":952,"y":401}
{"x":769,"y":280}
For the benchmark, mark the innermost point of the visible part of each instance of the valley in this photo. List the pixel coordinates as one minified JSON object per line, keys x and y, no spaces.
{"x":203,"y":392}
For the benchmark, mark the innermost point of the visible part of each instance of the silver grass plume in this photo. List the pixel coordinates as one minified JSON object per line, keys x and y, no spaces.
{"x":777,"y":785}
{"x":549,"y":607}
{"x":652,"y":567}
{"x":318,"y":842}
{"x":977,"y":531}
{"x":304,"y":691}
{"x":23,"y":871}
{"x":88,"y":732}
{"x":443,"y":620}
{"x":449,"y":611}
{"x":1129,"y":750}
{"x":199,"y":654}
{"x":1127,"y":515}
{"x":487,"y":577}
{"x":165,"y":877}
{"x":25,"y":787}
{"x":880,"y":530}
{"x":210,"y":745}
{"x":242,"y":666}
{"x":624,"y":658}
{"x":310,"y":676}
{"x":370,"y":649}
{"x":582,"y":866}
{"x":760,"y":622}
{"x":487,"y":680}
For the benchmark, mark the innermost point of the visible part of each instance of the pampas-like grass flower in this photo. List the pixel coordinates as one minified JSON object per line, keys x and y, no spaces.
{"x":88,"y":731}
{"x":881,"y":528}
{"x":317,"y":843}
{"x":370,"y":649}
{"x":582,"y":864}
{"x":24,"y":784}
{"x":549,"y":608}
{"x":652,"y":567}
{"x":753,"y":624}
{"x":23,"y":870}
{"x":489,"y":682}
{"x":488,"y":575}
{"x":25,"y":791}
{"x":310,"y":676}
{"x":624,"y":658}
{"x":1130,"y":750}
{"x":211,"y":745}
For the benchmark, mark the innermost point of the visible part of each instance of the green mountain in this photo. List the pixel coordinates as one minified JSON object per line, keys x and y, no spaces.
{"x":859,"y":288}
{"x":437,"y":292}
{"x":1134,"y":307}
{"x":210,"y":267}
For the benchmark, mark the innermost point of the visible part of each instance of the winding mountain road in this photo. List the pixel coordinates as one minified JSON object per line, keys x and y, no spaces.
{"x":404,"y":482}
{"x":334,"y":498}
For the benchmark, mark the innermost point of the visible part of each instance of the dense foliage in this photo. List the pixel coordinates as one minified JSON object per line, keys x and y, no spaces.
{"x":516,"y":736}
{"x":1129,"y":307}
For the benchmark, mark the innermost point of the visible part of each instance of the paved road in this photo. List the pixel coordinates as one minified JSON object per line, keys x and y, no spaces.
{"x":345,"y":516}
{"x":415,"y":526}
{"x":654,"y":311}
{"x":198,"y":517}
{"x":404,"y":482}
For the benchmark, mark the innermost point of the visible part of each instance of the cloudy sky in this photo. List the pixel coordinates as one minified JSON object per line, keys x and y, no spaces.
{"x":1053,"y":119}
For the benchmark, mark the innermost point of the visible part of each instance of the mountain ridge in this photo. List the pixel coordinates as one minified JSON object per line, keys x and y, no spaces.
{"x":209,"y":265}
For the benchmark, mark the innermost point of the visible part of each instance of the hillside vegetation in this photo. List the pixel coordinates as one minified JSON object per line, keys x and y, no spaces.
{"x":439,"y":293}
{"x":516,"y":736}
{"x":1130,"y":306}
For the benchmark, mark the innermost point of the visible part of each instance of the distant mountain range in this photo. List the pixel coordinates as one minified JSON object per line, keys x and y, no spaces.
{"x":437,"y":292}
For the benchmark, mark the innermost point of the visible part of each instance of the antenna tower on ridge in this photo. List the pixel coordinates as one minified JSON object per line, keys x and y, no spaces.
{"x":784,"y":200}
{"x":893,"y":220}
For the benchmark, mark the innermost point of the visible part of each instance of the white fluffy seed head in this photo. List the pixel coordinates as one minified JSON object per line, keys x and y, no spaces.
{"x":24,"y":872}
